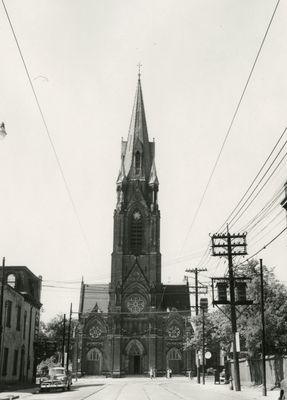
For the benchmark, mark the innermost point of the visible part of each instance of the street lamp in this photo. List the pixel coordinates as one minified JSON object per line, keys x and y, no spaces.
{"x":3,"y":132}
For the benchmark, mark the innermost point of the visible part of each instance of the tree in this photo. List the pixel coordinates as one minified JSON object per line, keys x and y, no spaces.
{"x":218,"y":325}
{"x":51,"y":338}
{"x":249,"y":323}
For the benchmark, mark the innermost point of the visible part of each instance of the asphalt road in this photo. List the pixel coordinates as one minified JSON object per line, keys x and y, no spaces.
{"x":146,"y":389}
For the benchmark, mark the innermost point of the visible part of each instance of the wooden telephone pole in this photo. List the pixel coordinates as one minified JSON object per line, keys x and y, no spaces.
{"x":227,"y":245}
{"x":196,"y":271}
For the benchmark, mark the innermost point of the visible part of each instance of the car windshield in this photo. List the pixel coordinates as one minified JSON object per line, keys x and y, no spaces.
{"x":57,"y":371}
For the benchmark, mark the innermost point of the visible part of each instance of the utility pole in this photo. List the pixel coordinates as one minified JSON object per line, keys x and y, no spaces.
{"x":264,"y":389}
{"x":233,"y":315}
{"x":203,"y":307}
{"x":231,"y":245}
{"x":1,"y":307}
{"x":196,"y":271}
{"x":69,"y":339}
{"x":63,"y":341}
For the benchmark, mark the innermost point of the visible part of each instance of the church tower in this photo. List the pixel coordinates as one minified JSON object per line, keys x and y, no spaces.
{"x":135,"y":323}
{"x":136,"y":258}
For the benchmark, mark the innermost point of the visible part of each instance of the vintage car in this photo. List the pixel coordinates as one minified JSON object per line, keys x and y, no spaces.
{"x":57,"y":378}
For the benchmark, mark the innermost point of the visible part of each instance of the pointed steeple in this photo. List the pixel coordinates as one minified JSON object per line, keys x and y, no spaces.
{"x":153,"y":179}
{"x":122,"y":174}
{"x":137,"y":152}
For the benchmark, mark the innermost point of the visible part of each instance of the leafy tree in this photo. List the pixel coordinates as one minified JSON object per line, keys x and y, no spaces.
{"x":218,"y":326}
{"x":275,"y":297}
{"x":51,"y":337}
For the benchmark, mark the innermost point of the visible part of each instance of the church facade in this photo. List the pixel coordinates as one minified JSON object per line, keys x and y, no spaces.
{"x":136,"y":323}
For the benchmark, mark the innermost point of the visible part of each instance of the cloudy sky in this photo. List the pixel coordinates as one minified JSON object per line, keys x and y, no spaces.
{"x":82,"y":58}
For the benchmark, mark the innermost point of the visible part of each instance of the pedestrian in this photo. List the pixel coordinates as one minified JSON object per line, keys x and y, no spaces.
{"x":151,"y":373}
{"x":170,"y":372}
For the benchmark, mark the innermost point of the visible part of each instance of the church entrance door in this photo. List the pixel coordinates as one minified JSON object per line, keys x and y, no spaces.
{"x":135,"y":365}
{"x":135,"y":357}
{"x":94,"y":362}
{"x":174,"y":361}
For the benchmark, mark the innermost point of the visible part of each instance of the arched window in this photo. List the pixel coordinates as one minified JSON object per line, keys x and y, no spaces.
{"x":136,"y":232}
{"x":11,"y":280}
{"x":138,"y":162}
{"x":173,"y":354}
{"x":94,"y":355}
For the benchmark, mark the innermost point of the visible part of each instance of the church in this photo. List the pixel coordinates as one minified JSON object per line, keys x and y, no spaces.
{"x":135,"y":323}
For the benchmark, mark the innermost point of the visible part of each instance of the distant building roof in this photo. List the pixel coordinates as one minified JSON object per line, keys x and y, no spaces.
{"x":175,"y":296}
{"x":94,"y":297}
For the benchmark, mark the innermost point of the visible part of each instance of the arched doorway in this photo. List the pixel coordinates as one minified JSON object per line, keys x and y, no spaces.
{"x":94,"y":362}
{"x":174,"y":360}
{"x":135,"y":351}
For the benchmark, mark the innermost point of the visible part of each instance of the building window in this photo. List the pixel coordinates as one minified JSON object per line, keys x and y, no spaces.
{"x":18,"y":321}
{"x":8,"y":313}
{"x":25,"y":322}
{"x":11,"y":280}
{"x":94,"y":355}
{"x":138,"y":162}
{"x":136,"y":238}
{"x":15,"y":362}
{"x":174,"y":354}
{"x":36,"y":333}
{"x":5,"y":361}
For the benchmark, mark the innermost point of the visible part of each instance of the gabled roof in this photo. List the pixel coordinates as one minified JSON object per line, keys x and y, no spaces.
{"x":175,"y":296}
{"x":92,"y":296}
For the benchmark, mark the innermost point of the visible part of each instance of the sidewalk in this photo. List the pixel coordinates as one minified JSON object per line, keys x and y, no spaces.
{"x":247,"y":392}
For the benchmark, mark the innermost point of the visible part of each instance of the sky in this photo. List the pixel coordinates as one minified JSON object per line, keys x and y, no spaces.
{"x":82,"y":58}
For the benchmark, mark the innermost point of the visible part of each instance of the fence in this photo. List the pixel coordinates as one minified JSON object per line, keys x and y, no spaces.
{"x":251,"y":371}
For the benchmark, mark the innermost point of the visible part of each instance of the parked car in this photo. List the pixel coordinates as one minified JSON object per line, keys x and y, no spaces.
{"x":57,"y":378}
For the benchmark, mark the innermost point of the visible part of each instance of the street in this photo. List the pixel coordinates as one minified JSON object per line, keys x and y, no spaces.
{"x":146,"y":389}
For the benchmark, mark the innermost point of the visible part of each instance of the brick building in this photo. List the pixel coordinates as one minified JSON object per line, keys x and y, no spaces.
{"x":136,"y":322}
{"x":21,"y":311}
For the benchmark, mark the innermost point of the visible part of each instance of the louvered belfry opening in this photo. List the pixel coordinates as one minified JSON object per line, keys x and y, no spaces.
{"x":137,"y":229}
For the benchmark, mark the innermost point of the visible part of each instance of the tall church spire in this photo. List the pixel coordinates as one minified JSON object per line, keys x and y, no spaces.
{"x":137,"y":151}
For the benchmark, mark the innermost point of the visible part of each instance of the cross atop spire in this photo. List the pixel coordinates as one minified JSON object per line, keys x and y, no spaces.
{"x":139,"y":70}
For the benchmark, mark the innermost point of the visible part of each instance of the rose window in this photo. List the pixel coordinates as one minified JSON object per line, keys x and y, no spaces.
{"x":173,"y":332}
{"x":135,"y":303}
{"x":95,"y":332}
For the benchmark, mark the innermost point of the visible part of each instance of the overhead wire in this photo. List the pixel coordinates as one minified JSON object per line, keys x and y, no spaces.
{"x":66,"y":185}
{"x":265,"y":211}
{"x":230,"y":125}
{"x":263,"y":248}
{"x":270,"y":228}
{"x":253,"y":181}
{"x":239,"y":214}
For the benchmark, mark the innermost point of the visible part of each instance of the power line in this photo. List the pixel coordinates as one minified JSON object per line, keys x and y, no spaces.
{"x":266,"y":207}
{"x":253,"y":181}
{"x":264,"y":212}
{"x":263,"y":248}
{"x":260,"y":190}
{"x":48,"y":133}
{"x":280,"y":222}
{"x":231,"y":124}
